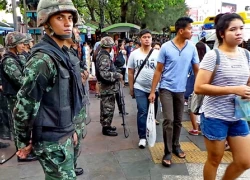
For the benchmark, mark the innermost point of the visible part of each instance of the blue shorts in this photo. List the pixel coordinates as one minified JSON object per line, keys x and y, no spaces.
{"x":217,"y":129}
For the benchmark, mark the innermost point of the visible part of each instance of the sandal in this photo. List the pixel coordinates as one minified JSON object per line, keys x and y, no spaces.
{"x":179,"y":153}
{"x":227,"y":147}
{"x":165,"y":159}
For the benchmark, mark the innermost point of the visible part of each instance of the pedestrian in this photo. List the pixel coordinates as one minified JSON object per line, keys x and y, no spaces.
{"x":109,"y":79}
{"x":175,"y":58}
{"x":156,"y":45}
{"x":202,"y":49}
{"x":80,"y":119}
{"x":12,"y":76}
{"x":51,"y":94}
{"x":231,"y":79}
{"x":141,"y":86}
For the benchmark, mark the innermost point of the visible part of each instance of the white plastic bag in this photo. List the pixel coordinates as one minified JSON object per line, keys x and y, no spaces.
{"x":151,"y":127}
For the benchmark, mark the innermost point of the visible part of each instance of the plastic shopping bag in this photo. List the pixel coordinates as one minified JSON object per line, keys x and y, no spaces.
{"x":151,"y":127}
{"x":242,"y":108}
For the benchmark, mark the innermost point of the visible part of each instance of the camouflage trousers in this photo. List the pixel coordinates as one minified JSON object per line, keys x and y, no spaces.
{"x":107,"y":105}
{"x":79,"y":127}
{"x":57,"y":159}
{"x":11,"y":104}
{"x":4,"y":117}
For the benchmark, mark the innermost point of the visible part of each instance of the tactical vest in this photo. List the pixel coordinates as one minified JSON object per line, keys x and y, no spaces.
{"x":55,"y":116}
{"x":9,"y":88}
{"x":98,"y":61}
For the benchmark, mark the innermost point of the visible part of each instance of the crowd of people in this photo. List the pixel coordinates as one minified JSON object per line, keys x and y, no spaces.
{"x":164,"y":73}
{"x":43,"y":89}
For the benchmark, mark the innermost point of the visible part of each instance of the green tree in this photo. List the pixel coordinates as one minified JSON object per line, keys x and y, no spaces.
{"x":3,"y":4}
{"x":156,"y":20}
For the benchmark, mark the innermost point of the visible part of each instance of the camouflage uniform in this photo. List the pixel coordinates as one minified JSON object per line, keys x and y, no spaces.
{"x":109,"y":84}
{"x":4,"y":112}
{"x":80,"y":119}
{"x":11,"y":70}
{"x":45,"y":74}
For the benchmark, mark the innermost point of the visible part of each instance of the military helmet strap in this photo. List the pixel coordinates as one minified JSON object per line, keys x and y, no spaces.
{"x":58,"y":36}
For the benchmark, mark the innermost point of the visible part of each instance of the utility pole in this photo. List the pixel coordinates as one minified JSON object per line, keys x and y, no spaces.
{"x":101,"y":5}
{"x":25,"y":15}
{"x":13,"y":3}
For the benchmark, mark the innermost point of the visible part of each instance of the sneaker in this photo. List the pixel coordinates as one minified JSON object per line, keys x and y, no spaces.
{"x":193,"y":132}
{"x":142,"y":143}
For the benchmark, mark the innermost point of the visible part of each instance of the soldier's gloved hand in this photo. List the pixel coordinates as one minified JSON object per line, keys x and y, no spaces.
{"x":75,"y":139}
{"x":23,"y":153}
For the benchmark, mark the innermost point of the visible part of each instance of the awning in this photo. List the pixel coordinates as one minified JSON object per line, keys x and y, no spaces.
{"x":6,"y":28}
{"x":122,"y":27}
{"x":4,"y":24}
{"x":83,"y":29}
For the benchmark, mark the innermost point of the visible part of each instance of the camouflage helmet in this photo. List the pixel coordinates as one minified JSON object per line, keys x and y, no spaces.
{"x":14,"y":38}
{"x":28,"y":38}
{"x":107,"y":42}
{"x":47,"y":8}
{"x":80,"y":21}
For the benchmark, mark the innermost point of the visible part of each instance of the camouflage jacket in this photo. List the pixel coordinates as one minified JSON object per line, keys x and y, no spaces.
{"x":13,"y":71}
{"x":26,"y":107}
{"x":105,"y":66}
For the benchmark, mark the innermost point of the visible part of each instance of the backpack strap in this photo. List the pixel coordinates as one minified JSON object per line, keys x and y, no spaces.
{"x":247,"y":54}
{"x":217,"y":57}
{"x":216,"y":64}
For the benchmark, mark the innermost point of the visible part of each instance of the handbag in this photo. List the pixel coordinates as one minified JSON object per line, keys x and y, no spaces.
{"x":151,"y":127}
{"x":142,"y":65}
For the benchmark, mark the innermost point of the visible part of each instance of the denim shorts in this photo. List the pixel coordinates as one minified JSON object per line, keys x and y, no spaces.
{"x":218,"y":129}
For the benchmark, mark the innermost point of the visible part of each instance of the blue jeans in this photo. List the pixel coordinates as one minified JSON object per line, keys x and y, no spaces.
{"x":142,"y":113}
{"x":218,"y":129}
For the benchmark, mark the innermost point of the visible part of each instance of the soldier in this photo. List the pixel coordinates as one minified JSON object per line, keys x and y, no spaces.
{"x":28,"y":44}
{"x":4,"y":118}
{"x":51,"y":95}
{"x":80,"y":119}
{"x":12,"y":76}
{"x":109,"y":83}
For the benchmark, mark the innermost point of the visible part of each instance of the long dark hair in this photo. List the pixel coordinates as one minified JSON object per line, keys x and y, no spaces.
{"x":201,"y":49}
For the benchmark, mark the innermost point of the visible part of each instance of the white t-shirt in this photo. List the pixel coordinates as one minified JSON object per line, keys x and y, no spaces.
{"x":144,"y":79}
{"x":231,"y":72}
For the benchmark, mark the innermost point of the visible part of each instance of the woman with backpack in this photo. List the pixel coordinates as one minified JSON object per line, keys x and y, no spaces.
{"x":221,"y":84}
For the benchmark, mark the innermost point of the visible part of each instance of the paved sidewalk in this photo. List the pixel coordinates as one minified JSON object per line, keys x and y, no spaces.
{"x":117,"y":158}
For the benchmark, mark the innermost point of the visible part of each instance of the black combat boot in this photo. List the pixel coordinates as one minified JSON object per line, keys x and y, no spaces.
{"x":4,"y":145}
{"x":113,"y":128}
{"x":108,"y":132}
{"x":79,"y":171}
{"x":30,"y":157}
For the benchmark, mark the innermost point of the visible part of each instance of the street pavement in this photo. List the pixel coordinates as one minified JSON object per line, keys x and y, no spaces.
{"x":118,"y":158}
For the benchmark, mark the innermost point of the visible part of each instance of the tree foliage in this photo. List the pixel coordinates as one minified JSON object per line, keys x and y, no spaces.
{"x":156,"y":21}
{"x":3,"y":4}
{"x":133,"y":11}
{"x":154,"y":14}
